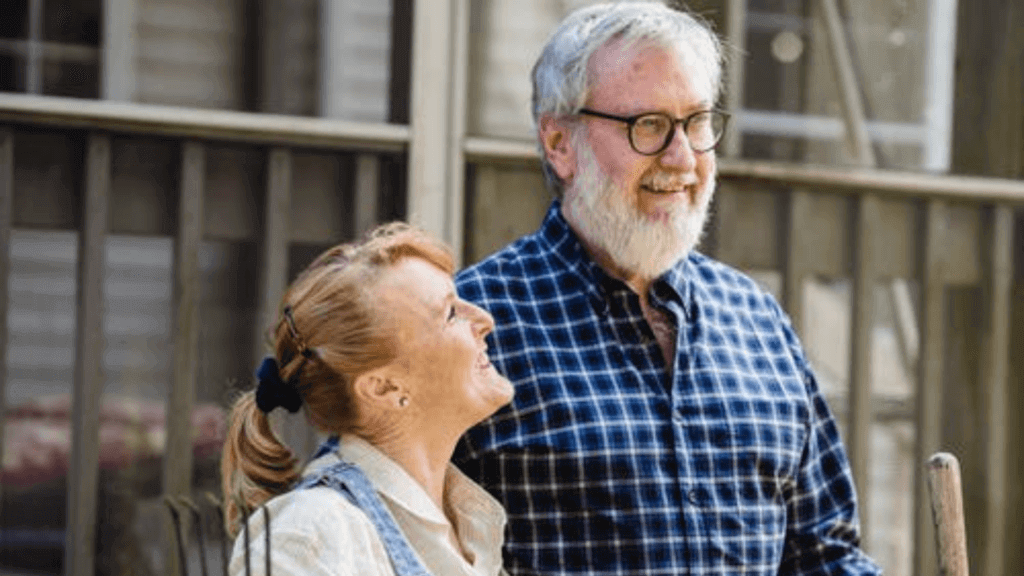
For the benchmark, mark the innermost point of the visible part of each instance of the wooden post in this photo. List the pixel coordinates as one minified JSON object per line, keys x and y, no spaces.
{"x":440,"y":46}
{"x":948,"y":514}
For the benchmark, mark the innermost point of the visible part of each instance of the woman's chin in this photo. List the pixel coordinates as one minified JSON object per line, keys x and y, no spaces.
{"x":498,"y":394}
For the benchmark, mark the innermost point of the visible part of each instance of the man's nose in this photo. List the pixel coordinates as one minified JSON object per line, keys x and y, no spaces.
{"x":679,"y":154}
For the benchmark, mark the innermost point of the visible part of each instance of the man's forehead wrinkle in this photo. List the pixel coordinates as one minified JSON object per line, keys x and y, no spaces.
{"x":621,"y":57}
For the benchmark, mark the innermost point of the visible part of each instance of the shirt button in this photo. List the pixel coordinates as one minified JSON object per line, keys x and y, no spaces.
{"x":694,"y":496}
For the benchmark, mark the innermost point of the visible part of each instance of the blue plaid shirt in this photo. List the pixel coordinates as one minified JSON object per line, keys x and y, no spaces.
{"x":609,"y":462}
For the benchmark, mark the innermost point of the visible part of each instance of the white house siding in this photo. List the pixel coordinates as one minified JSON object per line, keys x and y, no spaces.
{"x":355,"y":59}
{"x":189,"y":53}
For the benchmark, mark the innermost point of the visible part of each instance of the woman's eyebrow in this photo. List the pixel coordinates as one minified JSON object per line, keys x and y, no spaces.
{"x":448,"y":299}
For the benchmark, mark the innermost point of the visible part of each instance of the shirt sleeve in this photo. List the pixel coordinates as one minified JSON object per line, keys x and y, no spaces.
{"x":314,"y":534}
{"x":823,"y":530}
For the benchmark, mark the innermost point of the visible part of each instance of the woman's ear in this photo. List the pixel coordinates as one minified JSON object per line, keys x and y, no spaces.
{"x":377,"y":388}
{"x":556,"y":137}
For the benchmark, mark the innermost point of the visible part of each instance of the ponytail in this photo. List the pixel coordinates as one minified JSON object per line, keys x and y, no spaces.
{"x":255,"y":465}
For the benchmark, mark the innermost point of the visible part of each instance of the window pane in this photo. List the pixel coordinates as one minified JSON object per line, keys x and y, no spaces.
{"x":72,"y":21}
{"x":66,"y":78}
{"x":14,"y":23}
{"x":12,"y":73}
{"x":40,"y":369}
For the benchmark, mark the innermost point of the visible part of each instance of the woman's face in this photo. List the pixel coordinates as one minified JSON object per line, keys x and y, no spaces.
{"x":442,"y":357}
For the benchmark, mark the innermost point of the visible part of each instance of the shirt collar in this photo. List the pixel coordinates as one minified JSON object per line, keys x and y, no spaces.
{"x":674,"y":284}
{"x":396,"y":484}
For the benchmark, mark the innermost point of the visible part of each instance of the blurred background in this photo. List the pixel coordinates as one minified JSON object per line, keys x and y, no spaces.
{"x":167,"y":166}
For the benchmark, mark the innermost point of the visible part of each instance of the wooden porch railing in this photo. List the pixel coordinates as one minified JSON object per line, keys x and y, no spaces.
{"x":925,"y":205}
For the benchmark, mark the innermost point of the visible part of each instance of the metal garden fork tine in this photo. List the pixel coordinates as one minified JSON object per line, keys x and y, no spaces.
{"x":223,"y":541}
{"x":244,"y":511}
{"x":266,"y":535}
{"x":176,"y":519}
{"x":198,"y":519}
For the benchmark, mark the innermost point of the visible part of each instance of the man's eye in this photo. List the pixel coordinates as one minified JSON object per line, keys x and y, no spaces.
{"x":651,"y":124}
{"x":451,"y":313}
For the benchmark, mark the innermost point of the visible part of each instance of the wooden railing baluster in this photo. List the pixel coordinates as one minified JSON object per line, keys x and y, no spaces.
{"x":794,"y":262}
{"x":6,"y":220}
{"x":177,"y":464}
{"x":997,"y":277}
{"x":862,"y":319}
{"x":79,"y":551}
{"x":929,"y":378}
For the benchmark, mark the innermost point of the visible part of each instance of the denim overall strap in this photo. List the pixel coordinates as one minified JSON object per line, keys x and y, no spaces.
{"x":352,"y":483}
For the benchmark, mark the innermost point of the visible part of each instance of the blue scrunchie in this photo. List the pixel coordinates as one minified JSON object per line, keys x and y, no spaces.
{"x":272,"y":391}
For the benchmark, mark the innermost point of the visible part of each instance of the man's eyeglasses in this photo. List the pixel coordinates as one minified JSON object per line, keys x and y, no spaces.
{"x":652,"y":132}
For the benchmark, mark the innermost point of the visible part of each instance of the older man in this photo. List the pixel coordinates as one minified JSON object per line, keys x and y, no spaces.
{"x":666,"y":420}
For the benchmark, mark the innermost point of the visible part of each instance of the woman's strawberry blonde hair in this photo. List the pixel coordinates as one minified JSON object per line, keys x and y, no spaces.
{"x":332,"y":307}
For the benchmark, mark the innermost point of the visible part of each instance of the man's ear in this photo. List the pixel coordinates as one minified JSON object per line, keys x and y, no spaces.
{"x":556,"y":137}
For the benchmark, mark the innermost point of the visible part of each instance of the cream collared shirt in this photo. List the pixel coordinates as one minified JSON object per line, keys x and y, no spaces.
{"x":318,"y":532}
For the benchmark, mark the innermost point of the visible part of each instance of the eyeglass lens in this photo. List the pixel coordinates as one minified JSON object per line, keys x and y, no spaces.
{"x":652,"y":133}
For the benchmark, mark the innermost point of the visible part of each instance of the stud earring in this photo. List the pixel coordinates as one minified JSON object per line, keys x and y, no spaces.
{"x":403,"y":401}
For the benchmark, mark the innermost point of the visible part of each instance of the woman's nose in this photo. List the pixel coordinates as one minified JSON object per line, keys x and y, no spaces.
{"x":483,"y":322}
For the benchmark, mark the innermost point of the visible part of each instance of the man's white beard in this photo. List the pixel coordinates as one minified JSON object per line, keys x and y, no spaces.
{"x":610,"y":221}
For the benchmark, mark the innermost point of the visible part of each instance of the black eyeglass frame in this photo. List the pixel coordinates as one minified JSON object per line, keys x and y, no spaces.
{"x":685,"y":121}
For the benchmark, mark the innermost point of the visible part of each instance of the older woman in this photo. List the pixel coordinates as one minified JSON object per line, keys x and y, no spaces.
{"x":383,"y":354}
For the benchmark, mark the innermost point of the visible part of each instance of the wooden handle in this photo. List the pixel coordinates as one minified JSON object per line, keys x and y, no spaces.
{"x":948,"y":513}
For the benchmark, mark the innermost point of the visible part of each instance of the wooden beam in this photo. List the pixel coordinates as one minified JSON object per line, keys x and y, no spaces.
{"x":824,"y":179}
{"x":177,"y":464}
{"x":87,"y":391}
{"x":929,"y":379}
{"x":173,"y":121}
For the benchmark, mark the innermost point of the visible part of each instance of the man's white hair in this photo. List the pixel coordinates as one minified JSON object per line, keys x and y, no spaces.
{"x":560,"y":76}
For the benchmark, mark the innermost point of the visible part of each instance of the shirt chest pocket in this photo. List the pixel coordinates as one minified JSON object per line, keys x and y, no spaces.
{"x":746,"y":447}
